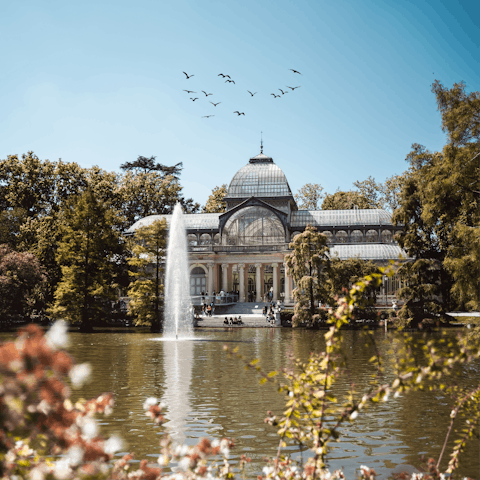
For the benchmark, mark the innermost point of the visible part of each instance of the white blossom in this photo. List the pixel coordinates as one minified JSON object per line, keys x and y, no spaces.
{"x":79,"y":374}
{"x":149,"y":402}
{"x":113,"y":444}
{"x":62,"y":469}
{"x":354,"y":415}
{"x":162,"y":460}
{"x":184,"y":463}
{"x":89,"y":427}
{"x":57,"y":334}
{"x":75,"y":455}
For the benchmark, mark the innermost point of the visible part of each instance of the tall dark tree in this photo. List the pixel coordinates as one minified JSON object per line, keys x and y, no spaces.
{"x":147,"y":268}
{"x":308,"y":264}
{"x":22,"y":282}
{"x":147,"y":165}
{"x":87,"y":254}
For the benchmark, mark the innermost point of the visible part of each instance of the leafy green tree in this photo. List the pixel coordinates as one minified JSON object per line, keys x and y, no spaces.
{"x":308,"y":264}
{"x":22,"y":282}
{"x":309,"y":196}
{"x":342,"y":274}
{"x":439,"y":208}
{"x":147,"y":262}
{"x":216,"y":201}
{"x":147,"y":164}
{"x":346,"y":201}
{"x":391,"y":191}
{"x":371,"y":190}
{"x":87,"y":253}
{"x":11,"y":221}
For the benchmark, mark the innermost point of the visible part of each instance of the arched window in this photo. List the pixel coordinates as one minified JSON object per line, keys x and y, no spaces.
{"x":217,"y":239}
{"x":192,"y":239}
{"x":356,"y":236}
{"x":205,"y":239}
{"x":387,"y":236}
{"x":372,"y":236}
{"x":341,"y":236}
{"x":253,"y":226}
{"x":329,"y":236}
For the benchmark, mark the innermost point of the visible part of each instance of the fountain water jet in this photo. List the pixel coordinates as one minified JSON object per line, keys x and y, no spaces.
{"x":178,"y":305}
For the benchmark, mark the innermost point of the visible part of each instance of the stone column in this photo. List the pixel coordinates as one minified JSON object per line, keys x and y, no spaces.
{"x":259,"y":282}
{"x":241,"y":281}
{"x":210,"y":279}
{"x":225,"y":277}
{"x":287,"y":285}
{"x":275,"y":281}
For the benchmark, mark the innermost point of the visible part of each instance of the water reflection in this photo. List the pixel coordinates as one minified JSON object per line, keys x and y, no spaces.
{"x":209,"y":394}
{"x":177,"y":364}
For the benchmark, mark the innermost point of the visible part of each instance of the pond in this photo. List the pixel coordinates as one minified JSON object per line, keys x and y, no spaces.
{"x":208,"y":394}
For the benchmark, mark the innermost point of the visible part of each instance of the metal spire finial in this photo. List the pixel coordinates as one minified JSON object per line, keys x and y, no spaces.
{"x":261,"y":142}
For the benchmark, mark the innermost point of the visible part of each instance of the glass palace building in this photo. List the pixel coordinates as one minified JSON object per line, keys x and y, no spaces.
{"x":243,"y":249}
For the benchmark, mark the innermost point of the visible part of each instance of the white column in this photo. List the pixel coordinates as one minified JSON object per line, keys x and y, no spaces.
{"x":287,"y":285}
{"x":241,"y":281}
{"x":210,"y":279}
{"x":259,"y":282}
{"x":225,"y":277}
{"x":275,"y":281}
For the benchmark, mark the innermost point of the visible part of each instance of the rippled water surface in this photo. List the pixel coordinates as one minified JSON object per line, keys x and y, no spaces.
{"x":209,"y":394}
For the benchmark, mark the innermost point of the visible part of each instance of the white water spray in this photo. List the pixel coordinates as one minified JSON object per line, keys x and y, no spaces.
{"x":178,"y":306}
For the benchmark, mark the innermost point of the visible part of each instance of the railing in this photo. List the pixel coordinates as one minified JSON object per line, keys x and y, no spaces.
{"x":226,"y":299}
{"x":238,"y":248}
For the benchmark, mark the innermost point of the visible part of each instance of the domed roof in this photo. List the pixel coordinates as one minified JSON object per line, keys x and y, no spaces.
{"x":259,"y":178}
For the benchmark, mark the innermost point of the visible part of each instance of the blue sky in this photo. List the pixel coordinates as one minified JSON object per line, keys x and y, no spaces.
{"x":100,"y":82}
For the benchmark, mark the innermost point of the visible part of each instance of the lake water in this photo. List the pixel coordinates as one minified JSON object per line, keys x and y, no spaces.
{"x":209,"y":394}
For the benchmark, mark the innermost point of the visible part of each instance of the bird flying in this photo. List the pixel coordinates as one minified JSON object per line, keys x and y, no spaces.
{"x":206,"y":94}
{"x":189,"y":91}
{"x":215,"y":104}
{"x":283,"y":93}
{"x":193,"y":99}
{"x":188,"y":76}
{"x":239,"y":113}
{"x":229,"y":81}
{"x":293,"y":88}
{"x":221,"y":75}
{"x":274,"y":95}
{"x":295,"y":71}
{"x":252,"y":94}
{"x":208,"y":116}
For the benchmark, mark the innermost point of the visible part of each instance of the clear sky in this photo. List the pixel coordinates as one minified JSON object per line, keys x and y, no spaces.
{"x":100,"y":82}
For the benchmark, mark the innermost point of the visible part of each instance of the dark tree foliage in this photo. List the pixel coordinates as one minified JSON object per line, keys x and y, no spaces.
{"x":439,"y":208}
{"x":146,"y":165}
{"x":87,"y":253}
{"x":347,"y":201}
{"x":22,"y":281}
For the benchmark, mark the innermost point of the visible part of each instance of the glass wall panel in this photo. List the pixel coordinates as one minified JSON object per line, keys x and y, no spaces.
{"x":192,"y":239}
{"x":341,"y":236}
{"x":387,"y":236}
{"x":253,"y":226}
{"x":205,"y":239}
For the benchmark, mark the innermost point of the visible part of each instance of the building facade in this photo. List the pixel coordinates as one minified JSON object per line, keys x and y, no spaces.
{"x":243,"y":249}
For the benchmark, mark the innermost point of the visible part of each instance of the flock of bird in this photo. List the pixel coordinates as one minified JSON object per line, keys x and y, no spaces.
{"x":229,"y":80}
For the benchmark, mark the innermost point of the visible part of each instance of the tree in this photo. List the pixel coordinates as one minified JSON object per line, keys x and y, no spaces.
{"x":22,"y":282}
{"x":426,"y":289}
{"x":87,"y":253}
{"x":391,"y":191}
{"x":440,"y":204}
{"x":346,"y":201}
{"x":308,"y":264}
{"x":148,"y":260}
{"x":342,"y":274}
{"x":216,"y":201}
{"x":371,"y":190}
{"x":146,"y":165}
{"x":309,"y":196}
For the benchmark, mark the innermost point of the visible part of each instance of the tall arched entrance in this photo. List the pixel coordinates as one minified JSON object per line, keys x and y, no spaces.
{"x":198,"y":281}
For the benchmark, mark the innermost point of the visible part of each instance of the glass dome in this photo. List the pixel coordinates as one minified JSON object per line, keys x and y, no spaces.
{"x":259,"y":178}
{"x":253,"y":226}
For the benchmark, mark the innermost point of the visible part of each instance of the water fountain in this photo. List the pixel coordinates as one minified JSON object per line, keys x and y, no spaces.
{"x":178,"y":306}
